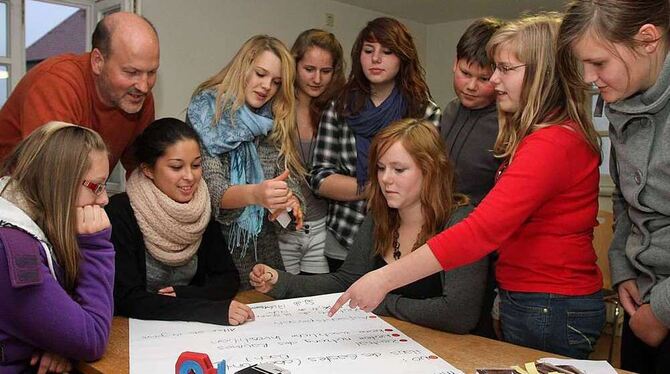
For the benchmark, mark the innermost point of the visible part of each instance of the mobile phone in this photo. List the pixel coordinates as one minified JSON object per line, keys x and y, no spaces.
{"x":263,"y":369}
{"x":284,"y":219}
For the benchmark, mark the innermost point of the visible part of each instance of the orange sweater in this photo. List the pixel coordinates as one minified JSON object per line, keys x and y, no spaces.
{"x":61,"y":88}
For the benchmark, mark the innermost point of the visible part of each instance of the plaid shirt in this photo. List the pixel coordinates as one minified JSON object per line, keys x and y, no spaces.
{"x":335,"y":153}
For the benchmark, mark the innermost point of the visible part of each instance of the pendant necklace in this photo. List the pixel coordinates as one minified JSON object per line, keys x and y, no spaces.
{"x":396,"y":244}
{"x":310,"y":149}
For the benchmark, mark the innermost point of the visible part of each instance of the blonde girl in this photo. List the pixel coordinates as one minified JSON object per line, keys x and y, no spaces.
{"x":55,"y":252}
{"x":245,"y":116}
{"x":539,"y":215}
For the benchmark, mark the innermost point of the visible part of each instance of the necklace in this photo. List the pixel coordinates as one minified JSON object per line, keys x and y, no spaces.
{"x":307,"y":158}
{"x":396,"y":244}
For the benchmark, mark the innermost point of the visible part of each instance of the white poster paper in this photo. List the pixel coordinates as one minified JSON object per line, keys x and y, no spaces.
{"x":295,"y":334}
{"x":587,"y":366}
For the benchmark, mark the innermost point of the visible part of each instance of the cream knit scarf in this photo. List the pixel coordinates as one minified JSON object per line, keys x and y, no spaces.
{"x":172,"y":231}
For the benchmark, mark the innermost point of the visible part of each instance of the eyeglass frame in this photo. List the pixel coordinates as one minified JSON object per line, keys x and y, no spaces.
{"x":504,"y":69}
{"x":96,"y":188}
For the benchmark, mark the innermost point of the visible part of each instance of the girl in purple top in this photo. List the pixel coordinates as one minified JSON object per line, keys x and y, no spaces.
{"x":56,"y":260}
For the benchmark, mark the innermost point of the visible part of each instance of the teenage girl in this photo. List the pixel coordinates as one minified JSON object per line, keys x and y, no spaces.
{"x":56,"y":259}
{"x":319,"y":77}
{"x":386,"y":83}
{"x":541,"y":212}
{"x":623,"y":48}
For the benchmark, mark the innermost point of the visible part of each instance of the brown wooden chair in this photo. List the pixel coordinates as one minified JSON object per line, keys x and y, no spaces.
{"x":602,"y":238}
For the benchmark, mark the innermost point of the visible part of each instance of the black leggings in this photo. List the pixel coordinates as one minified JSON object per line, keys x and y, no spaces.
{"x":639,"y":357}
{"x":334,"y":264}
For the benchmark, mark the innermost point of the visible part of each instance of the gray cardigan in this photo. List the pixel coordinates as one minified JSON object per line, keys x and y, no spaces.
{"x":216,"y":172}
{"x":640,"y":168}
{"x":457,"y":310}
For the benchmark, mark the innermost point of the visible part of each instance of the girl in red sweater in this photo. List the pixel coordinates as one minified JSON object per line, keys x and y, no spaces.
{"x":541,"y":212}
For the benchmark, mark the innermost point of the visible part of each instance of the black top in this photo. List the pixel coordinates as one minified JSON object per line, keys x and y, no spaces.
{"x":424,"y":288}
{"x":206,"y":299}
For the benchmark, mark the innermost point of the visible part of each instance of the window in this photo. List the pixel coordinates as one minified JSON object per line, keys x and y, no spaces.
{"x":11,"y":46}
{"x":51,"y":27}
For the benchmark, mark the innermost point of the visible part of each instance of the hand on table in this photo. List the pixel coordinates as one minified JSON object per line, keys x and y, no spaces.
{"x":239,"y":313}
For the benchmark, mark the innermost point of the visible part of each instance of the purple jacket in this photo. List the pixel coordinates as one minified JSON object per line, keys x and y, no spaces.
{"x":36,"y":314}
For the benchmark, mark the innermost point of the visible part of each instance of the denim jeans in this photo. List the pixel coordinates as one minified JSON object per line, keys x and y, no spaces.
{"x":565,"y":325}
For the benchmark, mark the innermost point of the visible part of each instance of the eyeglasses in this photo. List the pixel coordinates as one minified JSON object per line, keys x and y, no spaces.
{"x":504,"y":69}
{"x":97,"y":188}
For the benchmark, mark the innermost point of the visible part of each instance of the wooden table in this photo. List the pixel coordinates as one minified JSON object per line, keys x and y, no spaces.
{"x":465,"y":352}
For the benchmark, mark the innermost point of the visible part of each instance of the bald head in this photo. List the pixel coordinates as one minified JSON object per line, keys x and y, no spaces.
{"x":122,"y":25}
{"x":124,"y":60}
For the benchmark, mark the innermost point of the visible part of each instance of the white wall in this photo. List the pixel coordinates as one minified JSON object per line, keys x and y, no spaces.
{"x":199,"y":37}
{"x":441,"y":53}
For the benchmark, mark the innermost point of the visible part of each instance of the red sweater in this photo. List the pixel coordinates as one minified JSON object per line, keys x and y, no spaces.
{"x":540,"y":215}
{"x":62,"y":89}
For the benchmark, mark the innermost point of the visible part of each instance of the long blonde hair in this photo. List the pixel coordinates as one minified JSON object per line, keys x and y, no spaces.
{"x":438,"y":197}
{"x":546,"y":99}
{"x":231,"y":81}
{"x":62,"y":150}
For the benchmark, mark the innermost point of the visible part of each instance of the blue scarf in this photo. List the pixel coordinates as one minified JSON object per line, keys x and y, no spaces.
{"x":234,"y":134}
{"x":368,"y":123}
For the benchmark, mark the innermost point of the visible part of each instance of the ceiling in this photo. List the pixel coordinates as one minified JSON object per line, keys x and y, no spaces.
{"x":438,"y":11}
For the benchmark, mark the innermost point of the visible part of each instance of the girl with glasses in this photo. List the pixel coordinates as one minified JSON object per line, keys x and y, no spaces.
{"x":541,"y":212}
{"x":56,"y":259}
